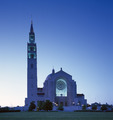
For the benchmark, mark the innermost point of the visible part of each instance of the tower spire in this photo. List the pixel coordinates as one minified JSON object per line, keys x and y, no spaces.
{"x":31,"y":34}
{"x":31,"y":28}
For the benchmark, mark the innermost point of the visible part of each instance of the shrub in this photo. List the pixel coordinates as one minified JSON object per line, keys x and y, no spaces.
{"x":32,"y":106}
{"x":47,"y":105}
{"x":60,"y":107}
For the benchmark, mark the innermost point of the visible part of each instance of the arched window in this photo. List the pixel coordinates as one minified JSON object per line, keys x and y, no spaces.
{"x":61,"y":88}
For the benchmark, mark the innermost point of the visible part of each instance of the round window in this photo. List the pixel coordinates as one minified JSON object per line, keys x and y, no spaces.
{"x":60,"y":85}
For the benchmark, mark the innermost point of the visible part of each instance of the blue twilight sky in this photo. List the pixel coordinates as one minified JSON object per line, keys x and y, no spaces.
{"x":76,"y":35}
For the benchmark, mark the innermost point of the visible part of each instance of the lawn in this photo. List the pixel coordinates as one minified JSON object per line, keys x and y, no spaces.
{"x":57,"y":116}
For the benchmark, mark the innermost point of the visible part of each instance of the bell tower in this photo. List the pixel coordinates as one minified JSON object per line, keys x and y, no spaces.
{"x":31,"y":66}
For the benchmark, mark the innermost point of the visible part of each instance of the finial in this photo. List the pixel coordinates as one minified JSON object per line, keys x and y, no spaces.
{"x":53,"y":71}
{"x":31,"y":29}
{"x":61,"y":68}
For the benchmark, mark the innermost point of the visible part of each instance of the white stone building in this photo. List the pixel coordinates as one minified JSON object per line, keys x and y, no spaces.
{"x":58,"y":87}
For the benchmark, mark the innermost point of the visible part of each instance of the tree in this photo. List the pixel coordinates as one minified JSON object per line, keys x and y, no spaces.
{"x":47,"y":105}
{"x":94,"y":107}
{"x":32,"y":106}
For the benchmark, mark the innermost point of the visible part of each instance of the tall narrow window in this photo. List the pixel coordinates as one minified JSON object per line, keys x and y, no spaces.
{"x":31,"y":65}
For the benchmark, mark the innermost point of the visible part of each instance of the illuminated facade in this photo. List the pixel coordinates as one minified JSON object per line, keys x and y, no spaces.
{"x":59,"y":87}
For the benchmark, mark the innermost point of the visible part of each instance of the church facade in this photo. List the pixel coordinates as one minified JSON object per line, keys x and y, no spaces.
{"x":59,"y":87}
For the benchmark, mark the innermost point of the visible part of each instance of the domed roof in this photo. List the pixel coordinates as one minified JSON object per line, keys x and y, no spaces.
{"x":49,"y":77}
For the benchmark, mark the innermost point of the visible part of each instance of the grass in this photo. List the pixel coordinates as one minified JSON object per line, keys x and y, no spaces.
{"x":57,"y":116}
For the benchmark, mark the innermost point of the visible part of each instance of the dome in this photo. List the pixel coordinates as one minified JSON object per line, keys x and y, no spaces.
{"x":49,"y":77}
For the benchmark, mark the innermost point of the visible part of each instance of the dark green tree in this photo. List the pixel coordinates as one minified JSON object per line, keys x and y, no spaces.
{"x":47,"y":105}
{"x":32,"y":106}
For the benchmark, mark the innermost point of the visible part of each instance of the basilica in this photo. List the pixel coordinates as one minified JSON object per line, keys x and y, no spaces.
{"x":59,"y":87}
